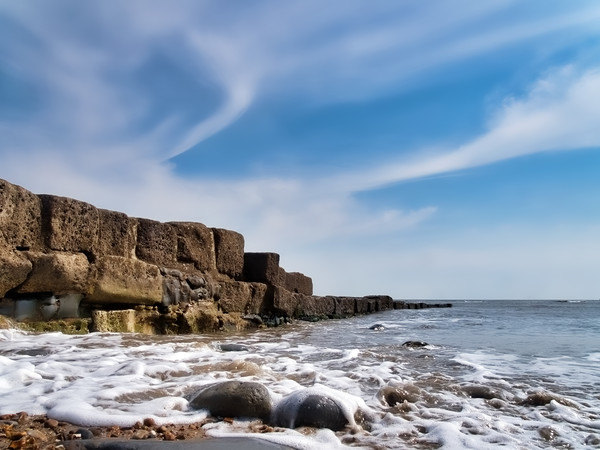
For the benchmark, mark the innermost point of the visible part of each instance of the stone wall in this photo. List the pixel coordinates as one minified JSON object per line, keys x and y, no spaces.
{"x":65,"y":259}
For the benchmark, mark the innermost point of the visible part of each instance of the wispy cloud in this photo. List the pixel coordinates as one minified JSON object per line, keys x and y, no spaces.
{"x":556,"y":114}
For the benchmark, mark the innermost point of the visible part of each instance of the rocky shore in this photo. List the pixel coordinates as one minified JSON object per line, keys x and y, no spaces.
{"x":68,"y":266}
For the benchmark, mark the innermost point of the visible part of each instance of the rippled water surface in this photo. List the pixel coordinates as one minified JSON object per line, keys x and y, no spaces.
{"x":495,"y":374}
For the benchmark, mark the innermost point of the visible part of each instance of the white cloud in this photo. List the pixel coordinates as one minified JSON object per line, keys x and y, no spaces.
{"x":556,"y":114}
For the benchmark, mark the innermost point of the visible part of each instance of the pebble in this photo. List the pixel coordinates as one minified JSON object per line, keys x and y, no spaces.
{"x":51,"y":423}
{"x":149,"y":422}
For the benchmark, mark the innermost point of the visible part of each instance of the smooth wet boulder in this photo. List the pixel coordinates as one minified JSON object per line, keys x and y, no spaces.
{"x":377,"y":327}
{"x":304,"y":409}
{"x":234,"y":399}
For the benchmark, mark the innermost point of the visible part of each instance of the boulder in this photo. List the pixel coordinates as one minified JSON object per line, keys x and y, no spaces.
{"x":69,"y":225}
{"x":156,"y":243}
{"x":229,"y":252}
{"x":57,"y":272}
{"x":234,"y":399}
{"x":262,"y":268}
{"x":117,"y":234}
{"x":14,"y":269}
{"x":195,"y":245}
{"x":124,"y":280}
{"x":20,"y":218}
{"x":306,"y":409}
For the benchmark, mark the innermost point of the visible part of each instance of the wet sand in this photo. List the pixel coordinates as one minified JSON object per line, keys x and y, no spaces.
{"x":22,"y":431}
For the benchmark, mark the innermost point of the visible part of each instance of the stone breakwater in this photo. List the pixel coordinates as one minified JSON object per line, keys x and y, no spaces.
{"x":67,"y":265}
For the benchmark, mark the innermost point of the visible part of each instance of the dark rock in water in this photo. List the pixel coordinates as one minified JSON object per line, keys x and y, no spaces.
{"x":415,"y":344}
{"x":310,"y":410}
{"x":377,"y":327}
{"x":234,"y":399}
{"x":394,"y":395}
{"x":233,"y":348}
{"x":476,"y":391}
{"x":543,"y":398}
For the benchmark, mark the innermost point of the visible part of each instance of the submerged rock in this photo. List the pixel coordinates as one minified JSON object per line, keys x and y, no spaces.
{"x":234,"y":399}
{"x":377,"y":327}
{"x":415,"y":344}
{"x":233,"y":348}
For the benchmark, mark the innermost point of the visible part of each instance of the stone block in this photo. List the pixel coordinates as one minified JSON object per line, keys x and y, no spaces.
{"x":20,"y":218}
{"x":262,"y":268}
{"x":195,"y":245}
{"x":122,"y":321}
{"x":245,"y":298}
{"x":344,"y":306}
{"x":57,"y":272}
{"x":69,"y":225}
{"x":310,"y":306}
{"x":14,"y":269}
{"x":298,"y":282}
{"x":126,"y":281}
{"x":229,"y":252}
{"x":285,"y":302}
{"x":117,"y":234}
{"x":156,"y":243}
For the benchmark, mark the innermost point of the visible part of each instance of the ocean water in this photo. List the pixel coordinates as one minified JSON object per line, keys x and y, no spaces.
{"x":494,"y":374}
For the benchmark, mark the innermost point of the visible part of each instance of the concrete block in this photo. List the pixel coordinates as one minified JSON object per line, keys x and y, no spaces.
{"x":14,"y":269}
{"x":57,"y":272}
{"x":298,"y":282}
{"x":117,"y":234}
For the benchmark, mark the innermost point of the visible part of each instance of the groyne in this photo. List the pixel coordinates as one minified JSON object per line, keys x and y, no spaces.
{"x":67,"y":265}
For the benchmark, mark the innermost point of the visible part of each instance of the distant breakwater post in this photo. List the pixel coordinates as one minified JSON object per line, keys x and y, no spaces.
{"x":68,"y":266}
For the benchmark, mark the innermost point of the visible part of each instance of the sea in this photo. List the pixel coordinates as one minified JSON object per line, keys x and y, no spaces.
{"x":487,"y":374}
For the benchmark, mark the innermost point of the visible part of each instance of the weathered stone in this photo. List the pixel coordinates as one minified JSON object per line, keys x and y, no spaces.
{"x":234,"y":296}
{"x":14,"y":268}
{"x":234,"y":399}
{"x":195,"y":245}
{"x":306,"y":409}
{"x":58,"y":273}
{"x":262,"y":268}
{"x":156,"y":243}
{"x":128,"y":281}
{"x":344,"y":306}
{"x":311,"y":306}
{"x":284,"y":302}
{"x":298,"y":282}
{"x":69,"y":225}
{"x":20,"y":218}
{"x":229,"y":252}
{"x":122,"y":321}
{"x":117,"y":234}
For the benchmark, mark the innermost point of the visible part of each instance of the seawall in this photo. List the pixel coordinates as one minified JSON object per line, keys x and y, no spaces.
{"x":67,"y":265}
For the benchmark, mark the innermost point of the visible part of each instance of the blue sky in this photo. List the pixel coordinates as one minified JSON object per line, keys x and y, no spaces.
{"x":441,"y":149}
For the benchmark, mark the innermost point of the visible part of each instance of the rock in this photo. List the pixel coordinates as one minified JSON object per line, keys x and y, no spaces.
{"x":122,"y":321}
{"x":377,"y":327}
{"x":394,"y":395}
{"x":84,"y":433}
{"x":128,"y":281}
{"x":307,"y":409}
{"x":299,"y":283}
{"x":195,"y":245}
{"x":262,"y":268}
{"x":234,"y":399}
{"x":229,"y":252}
{"x":156,"y":243}
{"x":20,"y":218}
{"x":117,"y":234}
{"x":415,"y":344}
{"x":285,"y":302}
{"x":233,"y":348}
{"x":14,"y":269}
{"x":57,"y":272}
{"x":476,"y":391}
{"x":69,"y":225}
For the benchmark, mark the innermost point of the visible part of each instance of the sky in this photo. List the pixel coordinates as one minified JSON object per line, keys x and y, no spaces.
{"x":423,"y":150}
